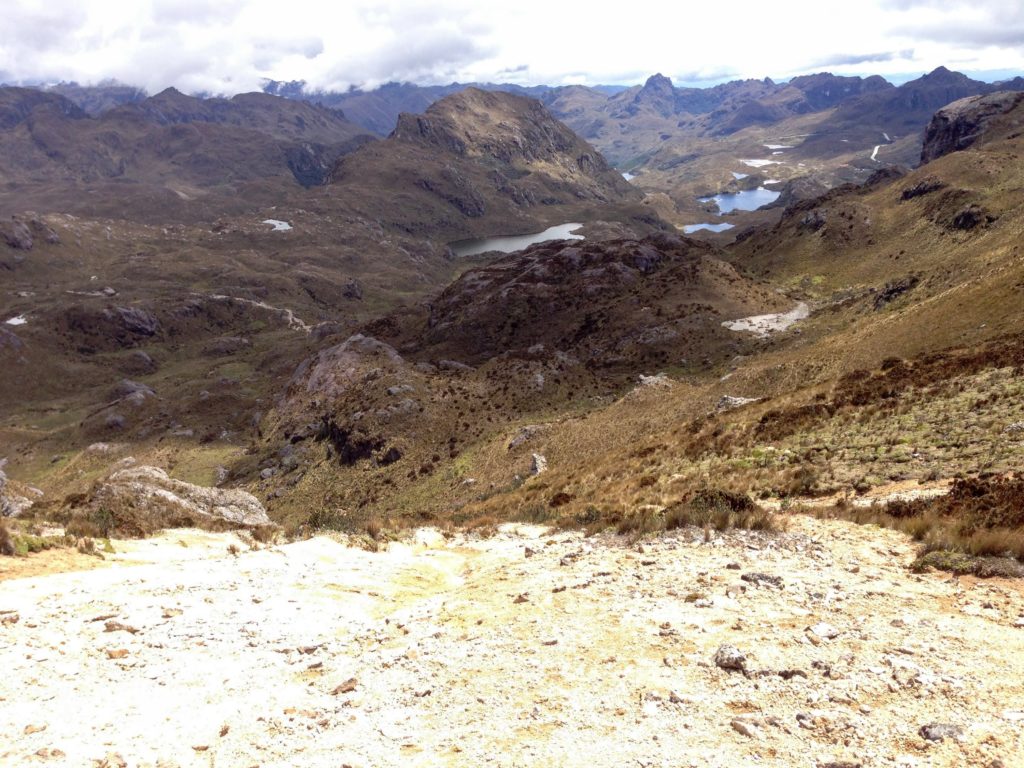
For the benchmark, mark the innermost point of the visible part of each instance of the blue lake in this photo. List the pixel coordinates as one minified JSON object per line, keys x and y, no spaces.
{"x":748,"y":200}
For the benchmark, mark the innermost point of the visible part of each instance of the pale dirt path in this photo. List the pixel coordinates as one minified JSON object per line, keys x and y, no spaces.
{"x":453,"y":668}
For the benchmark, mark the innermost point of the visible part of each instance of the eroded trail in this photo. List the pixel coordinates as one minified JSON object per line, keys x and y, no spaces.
{"x":528,"y":648}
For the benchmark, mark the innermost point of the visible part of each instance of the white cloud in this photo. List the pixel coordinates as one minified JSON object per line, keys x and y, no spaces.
{"x":225,"y":46}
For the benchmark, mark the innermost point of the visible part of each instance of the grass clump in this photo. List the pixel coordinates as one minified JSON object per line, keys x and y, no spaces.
{"x":721,"y":510}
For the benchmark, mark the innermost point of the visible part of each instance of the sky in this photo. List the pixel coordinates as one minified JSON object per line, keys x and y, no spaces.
{"x":232,"y":46}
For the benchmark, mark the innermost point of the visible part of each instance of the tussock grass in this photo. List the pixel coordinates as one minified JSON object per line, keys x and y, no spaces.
{"x":978,"y":527}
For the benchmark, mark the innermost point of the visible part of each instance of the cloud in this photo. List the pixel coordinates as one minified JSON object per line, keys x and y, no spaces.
{"x":224,"y":46}
{"x":850,"y":59}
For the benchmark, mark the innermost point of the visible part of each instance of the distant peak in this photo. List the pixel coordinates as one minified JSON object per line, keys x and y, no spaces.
{"x":657,"y":80}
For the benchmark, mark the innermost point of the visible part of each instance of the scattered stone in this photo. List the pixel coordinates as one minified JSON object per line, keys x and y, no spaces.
{"x":729,"y":657}
{"x":117,"y":626}
{"x":839,"y":764}
{"x":941,"y":731}
{"x":658,"y":381}
{"x":521,"y":599}
{"x":729,"y":402}
{"x":824,"y":630}
{"x":745,"y":728}
{"x":347,"y":687}
{"x":523,"y":435}
{"x":1015,"y":428}
{"x":117,"y":653}
{"x":30,"y":729}
{"x":538,"y":465}
{"x":760,"y":579}
{"x":9,"y":618}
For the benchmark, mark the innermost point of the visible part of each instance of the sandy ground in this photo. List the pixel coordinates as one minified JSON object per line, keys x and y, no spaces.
{"x":529,"y":648}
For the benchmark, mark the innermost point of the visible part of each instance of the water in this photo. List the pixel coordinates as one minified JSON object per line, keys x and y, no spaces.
{"x":628,"y":176}
{"x":279,"y":226}
{"x":19,"y":320}
{"x":512,"y":243}
{"x":739,"y":176}
{"x":689,"y":229}
{"x":748,"y":200}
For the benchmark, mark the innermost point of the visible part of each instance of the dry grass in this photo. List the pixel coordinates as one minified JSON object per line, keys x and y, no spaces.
{"x":6,"y":542}
{"x":978,"y":527}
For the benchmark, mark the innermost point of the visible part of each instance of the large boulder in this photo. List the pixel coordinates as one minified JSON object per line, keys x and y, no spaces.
{"x":959,"y":125}
{"x":139,"y":500}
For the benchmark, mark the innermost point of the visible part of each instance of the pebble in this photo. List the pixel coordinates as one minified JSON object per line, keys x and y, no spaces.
{"x":745,"y":728}
{"x":825,"y":630}
{"x":729,"y":657}
{"x":941,"y":731}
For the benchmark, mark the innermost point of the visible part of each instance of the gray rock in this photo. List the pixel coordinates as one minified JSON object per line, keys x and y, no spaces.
{"x":453,"y":366}
{"x":539,"y":464}
{"x":1014,"y":429}
{"x":658,"y":381}
{"x":761,"y":579}
{"x":730,"y":658}
{"x":115,"y":421}
{"x":138,"y":362}
{"x":151,"y":491}
{"x":959,"y":125}
{"x":226,"y":345}
{"x":745,"y":728}
{"x":523,"y":435}
{"x":134,"y":320}
{"x":941,"y":731}
{"x":17,"y":235}
{"x":729,"y":402}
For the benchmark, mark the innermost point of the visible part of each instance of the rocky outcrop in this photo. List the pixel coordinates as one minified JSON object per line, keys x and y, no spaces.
{"x":139,"y":500}
{"x":961,"y":124}
{"x":22,"y":234}
{"x":12,"y":502}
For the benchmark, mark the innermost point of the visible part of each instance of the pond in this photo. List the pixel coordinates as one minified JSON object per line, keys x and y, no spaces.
{"x":689,"y":229}
{"x":628,"y":176}
{"x":512,"y":243}
{"x":747,"y":200}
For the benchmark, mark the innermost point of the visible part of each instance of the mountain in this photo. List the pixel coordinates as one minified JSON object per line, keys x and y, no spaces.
{"x":168,"y":149}
{"x":97,"y":99}
{"x":480,"y":162}
{"x":377,"y":110}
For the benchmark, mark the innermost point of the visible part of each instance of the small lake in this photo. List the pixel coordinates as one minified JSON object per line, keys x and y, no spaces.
{"x":628,"y":176}
{"x":748,"y":200}
{"x":463,"y":248}
{"x":689,"y":229}
{"x":739,"y":176}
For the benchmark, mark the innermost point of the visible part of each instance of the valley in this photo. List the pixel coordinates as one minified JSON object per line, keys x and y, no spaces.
{"x":506,"y":388}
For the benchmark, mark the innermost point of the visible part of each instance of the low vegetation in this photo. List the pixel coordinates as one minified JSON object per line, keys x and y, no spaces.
{"x":978,"y":527}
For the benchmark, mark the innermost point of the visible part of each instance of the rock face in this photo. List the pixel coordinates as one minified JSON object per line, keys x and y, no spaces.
{"x":146,"y":498}
{"x":960,"y":124}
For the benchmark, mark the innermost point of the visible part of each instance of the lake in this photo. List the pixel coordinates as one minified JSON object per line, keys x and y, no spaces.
{"x":463,"y":248}
{"x":689,"y":229}
{"x":628,"y":176}
{"x":748,"y":200}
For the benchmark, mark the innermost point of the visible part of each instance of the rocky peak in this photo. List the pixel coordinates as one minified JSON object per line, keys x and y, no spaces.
{"x":959,"y":125}
{"x":657,"y":94}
